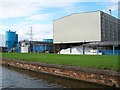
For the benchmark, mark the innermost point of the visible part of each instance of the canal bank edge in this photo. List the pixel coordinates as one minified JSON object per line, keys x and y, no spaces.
{"x":105,"y":77}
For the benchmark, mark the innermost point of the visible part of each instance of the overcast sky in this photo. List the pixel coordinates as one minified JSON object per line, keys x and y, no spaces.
{"x":20,"y":15}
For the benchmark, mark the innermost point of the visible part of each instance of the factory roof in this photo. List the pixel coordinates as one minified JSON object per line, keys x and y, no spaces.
{"x":86,"y":12}
{"x":106,"y":43}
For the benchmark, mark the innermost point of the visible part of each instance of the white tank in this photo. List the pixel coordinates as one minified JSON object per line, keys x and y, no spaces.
{"x":25,"y":47}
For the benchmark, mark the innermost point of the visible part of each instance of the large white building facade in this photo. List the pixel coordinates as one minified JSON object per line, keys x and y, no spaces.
{"x":89,"y":26}
{"x":95,"y":26}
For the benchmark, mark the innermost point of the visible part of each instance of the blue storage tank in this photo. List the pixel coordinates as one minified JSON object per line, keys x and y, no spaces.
{"x":11,"y":39}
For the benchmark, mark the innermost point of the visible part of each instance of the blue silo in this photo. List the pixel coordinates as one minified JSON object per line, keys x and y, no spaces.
{"x":11,"y":39}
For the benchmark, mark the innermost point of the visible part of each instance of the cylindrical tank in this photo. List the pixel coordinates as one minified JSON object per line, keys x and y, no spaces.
{"x":11,"y":39}
{"x":25,"y":47}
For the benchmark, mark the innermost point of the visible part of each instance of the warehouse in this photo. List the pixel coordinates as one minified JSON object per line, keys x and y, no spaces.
{"x":83,"y":28}
{"x":44,"y":46}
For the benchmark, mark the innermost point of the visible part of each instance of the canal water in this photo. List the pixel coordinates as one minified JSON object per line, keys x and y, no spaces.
{"x":18,"y":78}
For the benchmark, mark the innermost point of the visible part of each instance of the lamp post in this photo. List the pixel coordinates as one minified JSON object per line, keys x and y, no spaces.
{"x":114,"y":49}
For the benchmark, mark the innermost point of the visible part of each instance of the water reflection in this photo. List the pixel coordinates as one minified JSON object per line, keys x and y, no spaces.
{"x":19,"y":78}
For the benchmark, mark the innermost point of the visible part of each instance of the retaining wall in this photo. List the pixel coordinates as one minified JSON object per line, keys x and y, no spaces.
{"x":105,"y":77}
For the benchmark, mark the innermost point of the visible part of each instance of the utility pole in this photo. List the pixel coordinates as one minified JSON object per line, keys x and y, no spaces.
{"x":31,"y":34}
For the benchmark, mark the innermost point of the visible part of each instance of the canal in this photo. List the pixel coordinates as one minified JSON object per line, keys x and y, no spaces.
{"x":19,"y":78}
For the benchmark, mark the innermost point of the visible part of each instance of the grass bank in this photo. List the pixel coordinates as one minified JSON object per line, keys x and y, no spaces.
{"x":94,"y":61}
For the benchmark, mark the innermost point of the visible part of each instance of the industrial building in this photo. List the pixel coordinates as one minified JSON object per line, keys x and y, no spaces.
{"x":77,"y":31}
{"x":81,"y":33}
{"x":25,"y":46}
{"x":12,"y":44}
{"x":45,"y":46}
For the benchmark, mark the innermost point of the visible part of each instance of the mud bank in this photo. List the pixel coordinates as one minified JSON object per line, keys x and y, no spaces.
{"x":105,"y":77}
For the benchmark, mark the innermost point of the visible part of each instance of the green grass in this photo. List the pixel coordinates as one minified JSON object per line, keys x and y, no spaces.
{"x":94,"y":61}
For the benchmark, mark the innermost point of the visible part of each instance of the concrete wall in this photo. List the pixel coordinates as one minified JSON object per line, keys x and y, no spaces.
{"x":78,"y":28}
